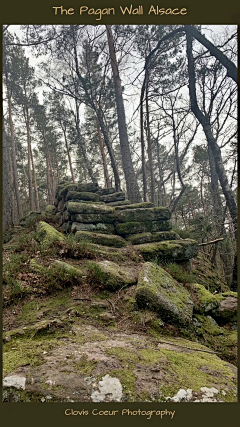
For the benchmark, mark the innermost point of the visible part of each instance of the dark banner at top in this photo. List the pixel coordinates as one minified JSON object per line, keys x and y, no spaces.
{"x":120,"y":12}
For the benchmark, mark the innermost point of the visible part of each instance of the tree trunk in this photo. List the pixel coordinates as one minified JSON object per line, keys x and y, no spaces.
{"x":35,"y":183}
{"x":150,"y":156}
{"x":145,"y":197}
{"x":222,"y":176}
{"x":131,"y":182}
{"x":30,"y":185}
{"x":14,"y":162}
{"x":105,"y":169}
{"x":82,"y":147}
{"x":6,"y":186}
{"x":68,"y":152}
{"x":101,"y":122}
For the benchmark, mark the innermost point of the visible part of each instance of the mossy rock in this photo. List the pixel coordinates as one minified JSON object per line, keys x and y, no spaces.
{"x":114,"y":197}
{"x":101,"y":239}
{"x":100,"y":227}
{"x":158,"y":291}
{"x":227,"y":310}
{"x":75,"y":195}
{"x":90,"y":187}
{"x":88,"y":208}
{"x":106,"y":191}
{"x":110,"y":275}
{"x":206,"y":302}
{"x":93,"y":218}
{"x":50,"y":210}
{"x":143,"y":214}
{"x":176,"y":250}
{"x":48,"y":235}
{"x":138,"y":239}
{"x":120,"y":203}
{"x":220,"y":339}
{"x":68,"y":268}
{"x":124,"y":229}
{"x":135,"y":206}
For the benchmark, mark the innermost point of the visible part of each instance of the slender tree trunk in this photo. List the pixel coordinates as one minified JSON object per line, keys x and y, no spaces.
{"x":222,"y":176}
{"x":14,"y":162}
{"x":131,"y":182}
{"x":35,"y":183}
{"x":145,"y":197}
{"x":30,"y":185}
{"x":6,"y":185}
{"x":101,"y":122}
{"x":105,"y":169}
{"x":82,"y":146}
{"x":68,"y":152}
{"x":150,"y":156}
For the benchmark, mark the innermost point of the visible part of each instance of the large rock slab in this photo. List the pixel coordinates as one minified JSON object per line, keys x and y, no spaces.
{"x":95,"y":365}
{"x":77,"y":195}
{"x":88,"y":208}
{"x":124,"y":229}
{"x":101,"y":239}
{"x":115,"y":197}
{"x":90,"y":187}
{"x":99,"y":227}
{"x":110,"y":275}
{"x":135,"y":206}
{"x":171,"y":250}
{"x":158,"y":291}
{"x":93,"y":218}
{"x":138,"y":239}
{"x":143,"y":214}
{"x":106,"y":191}
{"x":119,"y":203}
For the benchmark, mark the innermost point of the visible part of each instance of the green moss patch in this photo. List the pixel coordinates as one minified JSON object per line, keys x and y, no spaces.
{"x":157,"y":291}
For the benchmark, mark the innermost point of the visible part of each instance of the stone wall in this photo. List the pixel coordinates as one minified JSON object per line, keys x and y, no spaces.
{"x":90,"y":212}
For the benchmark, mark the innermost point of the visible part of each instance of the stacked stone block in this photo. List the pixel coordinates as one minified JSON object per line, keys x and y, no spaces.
{"x":104,"y":216}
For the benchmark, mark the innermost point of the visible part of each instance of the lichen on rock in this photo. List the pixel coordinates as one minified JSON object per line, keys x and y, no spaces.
{"x":157,"y":291}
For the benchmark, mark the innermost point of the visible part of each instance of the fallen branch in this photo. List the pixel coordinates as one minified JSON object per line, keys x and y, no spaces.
{"x":212,"y":241}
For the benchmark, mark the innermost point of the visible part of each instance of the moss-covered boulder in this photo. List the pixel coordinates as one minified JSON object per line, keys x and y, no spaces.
{"x":158,"y":291}
{"x":99,"y":227}
{"x":227,"y":310}
{"x":176,"y":250}
{"x":83,"y":196}
{"x":88,"y":208}
{"x":90,"y":187}
{"x":135,"y":206}
{"x":205,"y":301}
{"x":48,"y":235}
{"x":114,"y":197}
{"x":50,"y":210}
{"x":138,"y":239}
{"x":110,"y":275}
{"x":124,"y":229}
{"x":93,"y":218}
{"x":74,"y":272}
{"x":101,"y":239}
{"x":143,"y":214}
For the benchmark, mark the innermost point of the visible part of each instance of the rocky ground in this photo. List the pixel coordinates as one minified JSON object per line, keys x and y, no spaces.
{"x":86,"y":322}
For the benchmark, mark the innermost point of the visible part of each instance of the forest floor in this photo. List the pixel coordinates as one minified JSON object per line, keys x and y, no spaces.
{"x":67,"y":339}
